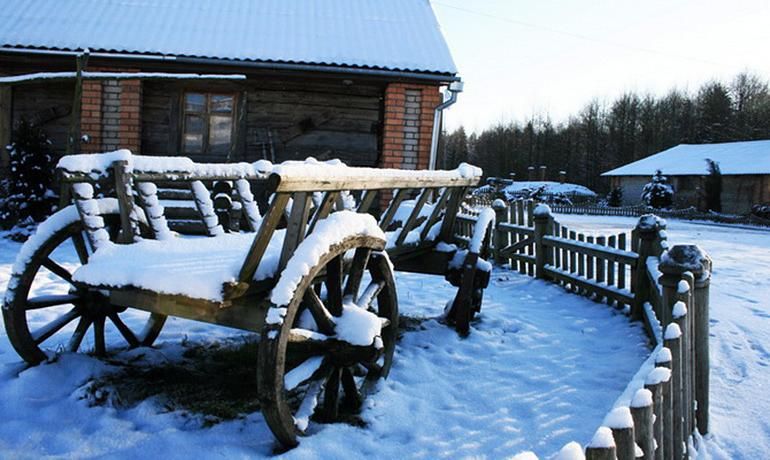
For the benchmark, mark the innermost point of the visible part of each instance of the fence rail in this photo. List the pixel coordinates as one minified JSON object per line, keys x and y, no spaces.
{"x":666,"y":289}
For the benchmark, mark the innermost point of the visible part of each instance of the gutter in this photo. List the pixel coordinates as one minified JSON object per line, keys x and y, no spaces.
{"x":346,"y":70}
{"x":455,"y":88}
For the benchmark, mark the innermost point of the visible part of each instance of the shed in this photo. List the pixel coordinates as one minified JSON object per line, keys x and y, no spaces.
{"x":745,"y":168}
{"x":241,"y":80}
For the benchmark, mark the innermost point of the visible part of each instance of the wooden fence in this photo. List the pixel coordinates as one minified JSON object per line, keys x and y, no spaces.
{"x":665,"y":288}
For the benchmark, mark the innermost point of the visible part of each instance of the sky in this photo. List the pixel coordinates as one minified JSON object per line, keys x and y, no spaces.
{"x":524,"y":58}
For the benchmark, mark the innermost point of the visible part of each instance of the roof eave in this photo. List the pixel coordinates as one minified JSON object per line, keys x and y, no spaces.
{"x":427,"y":75}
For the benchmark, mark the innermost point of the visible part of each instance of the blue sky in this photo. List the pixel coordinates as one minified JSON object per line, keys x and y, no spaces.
{"x":520,"y":58}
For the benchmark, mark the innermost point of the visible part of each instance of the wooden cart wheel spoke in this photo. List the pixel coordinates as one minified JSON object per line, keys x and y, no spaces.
{"x":330,"y":409}
{"x":311,"y":369}
{"x":353,"y":399}
{"x":45,"y":332}
{"x":80,"y":332}
{"x":58,"y":270}
{"x":357,"y":270}
{"x":334,"y":277}
{"x":100,"y":348}
{"x":80,"y":246}
{"x":124,"y":330}
{"x":321,"y":315}
{"x":371,"y":292}
{"x":46,"y":301}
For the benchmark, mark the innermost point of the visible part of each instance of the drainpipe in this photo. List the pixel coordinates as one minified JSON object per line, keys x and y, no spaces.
{"x":455,"y":88}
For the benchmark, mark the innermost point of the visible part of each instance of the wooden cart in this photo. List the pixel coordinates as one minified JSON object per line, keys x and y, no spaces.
{"x":314,"y":279}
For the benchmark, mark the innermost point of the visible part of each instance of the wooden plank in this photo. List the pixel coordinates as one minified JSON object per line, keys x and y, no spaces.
{"x":366,"y":201}
{"x":622,"y":267}
{"x":453,"y":206}
{"x":412,"y":219}
{"x":590,"y":260}
{"x":581,"y":257}
{"x":565,"y":252}
{"x":517,"y":229}
{"x":395,"y":203}
{"x":246,"y":314}
{"x":296,"y":227}
{"x":612,"y":243}
{"x":323,"y":209}
{"x":129,"y":230}
{"x":516,"y":247}
{"x":262,"y":238}
{"x":385,"y":181}
{"x":435,"y":215}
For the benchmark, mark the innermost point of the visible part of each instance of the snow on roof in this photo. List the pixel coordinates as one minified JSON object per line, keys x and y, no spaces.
{"x":550,"y":188}
{"x":392,"y":35}
{"x":734,"y":158}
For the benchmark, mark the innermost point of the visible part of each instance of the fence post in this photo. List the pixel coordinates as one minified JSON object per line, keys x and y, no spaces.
{"x":501,"y":212}
{"x":647,"y":230}
{"x":542,"y":219}
{"x":680,"y":259}
{"x":654,"y":382}
{"x":642,"y":413}
{"x":602,"y":445}
{"x":621,"y":423}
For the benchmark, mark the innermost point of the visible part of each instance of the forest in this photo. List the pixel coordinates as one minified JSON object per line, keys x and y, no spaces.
{"x":608,"y":134}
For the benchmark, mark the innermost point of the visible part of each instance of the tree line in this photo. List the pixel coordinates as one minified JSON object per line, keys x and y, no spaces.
{"x":603,"y":136}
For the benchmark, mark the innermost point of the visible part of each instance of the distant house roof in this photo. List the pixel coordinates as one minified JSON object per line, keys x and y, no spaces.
{"x":734,"y":158}
{"x":399,"y":35}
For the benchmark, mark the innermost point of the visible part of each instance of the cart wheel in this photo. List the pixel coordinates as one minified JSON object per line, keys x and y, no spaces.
{"x":39,"y":318}
{"x":303,"y":363}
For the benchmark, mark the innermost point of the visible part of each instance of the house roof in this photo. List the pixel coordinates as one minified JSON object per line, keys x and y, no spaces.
{"x":734,"y":158}
{"x":399,"y":35}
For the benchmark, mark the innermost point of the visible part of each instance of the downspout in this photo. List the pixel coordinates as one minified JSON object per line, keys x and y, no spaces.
{"x":455,"y":88}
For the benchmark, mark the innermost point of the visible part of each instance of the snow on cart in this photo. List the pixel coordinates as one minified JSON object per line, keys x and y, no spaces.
{"x":313,"y":273}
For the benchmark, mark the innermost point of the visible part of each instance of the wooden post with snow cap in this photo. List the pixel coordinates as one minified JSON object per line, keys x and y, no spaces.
{"x":620,"y":421}
{"x":542,"y":219}
{"x":571,"y":451}
{"x":654,"y":383}
{"x":663,"y":359}
{"x":501,"y":237}
{"x":642,"y":413}
{"x":647,"y":231}
{"x":679,"y":260}
{"x":602,"y":445}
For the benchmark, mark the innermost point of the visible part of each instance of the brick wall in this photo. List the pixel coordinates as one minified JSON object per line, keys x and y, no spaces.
{"x":408,"y":125}
{"x":110,"y":115}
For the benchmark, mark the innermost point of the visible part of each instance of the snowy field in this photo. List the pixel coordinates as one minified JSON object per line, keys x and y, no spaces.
{"x":740,"y":328}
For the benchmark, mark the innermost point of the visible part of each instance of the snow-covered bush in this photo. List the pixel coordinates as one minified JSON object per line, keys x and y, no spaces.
{"x":615,"y":197}
{"x":658,"y":193}
{"x":543,"y":195}
{"x":30,"y":197}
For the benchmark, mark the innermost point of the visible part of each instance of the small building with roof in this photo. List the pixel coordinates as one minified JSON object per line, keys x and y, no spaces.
{"x":745,"y":168}
{"x":241,"y":80}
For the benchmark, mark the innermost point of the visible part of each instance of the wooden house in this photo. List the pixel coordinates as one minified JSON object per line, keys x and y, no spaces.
{"x":745,"y":168}
{"x":239,"y":80}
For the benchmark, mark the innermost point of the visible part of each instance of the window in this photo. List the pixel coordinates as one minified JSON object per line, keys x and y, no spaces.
{"x":208,"y":123}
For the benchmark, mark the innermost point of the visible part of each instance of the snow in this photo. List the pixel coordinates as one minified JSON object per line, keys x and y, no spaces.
{"x":571,"y":451}
{"x":642,"y":398}
{"x":360,"y":33}
{"x":658,"y":375}
{"x":311,"y":169}
{"x":541,"y":210}
{"x":545,"y":380}
{"x":328,"y":232}
{"x":483,"y":221}
{"x":663,"y":356}
{"x":672,"y":332}
{"x":118,"y":76}
{"x":195,"y":267}
{"x":679,"y":310}
{"x":750,"y":157}
{"x":602,"y":439}
{"x":357,"y":326}
{"x":551,"y":188}
{"x":618,"y":418}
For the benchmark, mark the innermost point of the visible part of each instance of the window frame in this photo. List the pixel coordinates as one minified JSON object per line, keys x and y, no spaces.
{"x":206,"y":117}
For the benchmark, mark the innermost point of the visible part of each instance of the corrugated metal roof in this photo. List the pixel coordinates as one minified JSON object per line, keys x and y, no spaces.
{"x":734,"y":158}
{"x":384,"y":34}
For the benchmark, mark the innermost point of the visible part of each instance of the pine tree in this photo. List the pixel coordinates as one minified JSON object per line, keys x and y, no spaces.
{"x":658,"y":193}
{"x":30,"y":195}
{"x":713,"y":187}
{"x":615,"y":198}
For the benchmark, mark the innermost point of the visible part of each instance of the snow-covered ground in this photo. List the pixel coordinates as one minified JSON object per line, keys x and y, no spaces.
{"x":740,"y":328}
{"x":541,"y":368}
